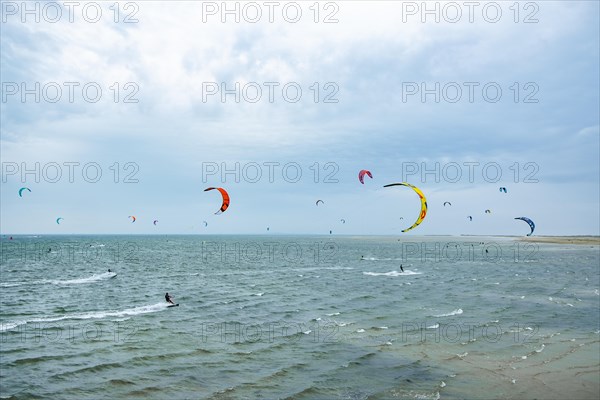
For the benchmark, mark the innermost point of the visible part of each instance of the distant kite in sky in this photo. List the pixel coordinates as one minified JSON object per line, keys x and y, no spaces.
{"x":503,"y":189}
{"x":133,"y":218}
{"x":488,"y":211}
{"x":22,"y":189}
{"x":58,"y":220}
{"x":470,"y":218}
{"x":343,"y":221}
{"x":322,"y":202}
{"x":447,"y":202}
{"x":361,"y":175}
{"x":225,"y":196}
{"x":155,"y":222}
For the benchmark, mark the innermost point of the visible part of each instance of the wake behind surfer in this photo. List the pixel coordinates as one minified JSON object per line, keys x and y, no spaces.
{"x":168,"y":298}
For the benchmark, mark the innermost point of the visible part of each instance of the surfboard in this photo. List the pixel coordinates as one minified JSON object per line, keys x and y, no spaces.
{"x":173,"y":305}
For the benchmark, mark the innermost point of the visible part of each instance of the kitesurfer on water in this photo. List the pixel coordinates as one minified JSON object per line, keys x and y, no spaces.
{"x":168,"y":298}
{"x":401,"y":269}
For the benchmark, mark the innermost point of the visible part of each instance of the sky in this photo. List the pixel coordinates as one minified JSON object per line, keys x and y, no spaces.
{"x":118,"y":109}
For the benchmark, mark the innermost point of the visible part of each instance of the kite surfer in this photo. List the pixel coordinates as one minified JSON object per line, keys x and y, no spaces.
{"x":168,"y":298}
{"x":401,"y":269}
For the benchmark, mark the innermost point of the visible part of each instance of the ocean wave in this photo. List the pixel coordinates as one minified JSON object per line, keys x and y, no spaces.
{"x":5,"y":326}
{"x":11,"y":284}
{"x":455,"y":312}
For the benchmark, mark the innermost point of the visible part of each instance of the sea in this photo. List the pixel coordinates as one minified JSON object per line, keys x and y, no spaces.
{"x":298,"y":317}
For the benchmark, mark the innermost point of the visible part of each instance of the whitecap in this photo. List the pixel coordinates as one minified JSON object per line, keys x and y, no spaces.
{"x":93,"y":315}
{"x":6,"y":326}
{"x":540,"y":349}
{"x":455,"y":312}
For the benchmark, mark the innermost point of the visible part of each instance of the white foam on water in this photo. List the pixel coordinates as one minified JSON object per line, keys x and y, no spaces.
{"x":6,"y":326}
{"x":332,"y":314}
{"x":541,"y":348}
{"x":392,"y":273}
{"x":11,"y":284}
{"x":360,"y":330}
{"x":433,"y":326}
{"x":151,"y":308}
{"x":458,"y":311}
{"x":90,"y":279}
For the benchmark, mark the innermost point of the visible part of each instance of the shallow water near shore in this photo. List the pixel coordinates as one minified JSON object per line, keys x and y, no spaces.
{"x":298,"y":317}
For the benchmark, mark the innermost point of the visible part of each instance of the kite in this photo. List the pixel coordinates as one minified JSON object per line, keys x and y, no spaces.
{"x":447,"y":202}
{"x":470,"y":218}
{"x":133,"y":218}
{"x":58,"y":220}
{"x":225,"y":196}
{"x":322,"y":202}
{"x":361,"y":175}
{"x":530,"y":222}
{"x":343,"y":221}
{"x":488,"y":212}
{"x":503,"y":189}
{"x":155,"y":221}
{"x":423,"y":203}
{"x":22,"y":189}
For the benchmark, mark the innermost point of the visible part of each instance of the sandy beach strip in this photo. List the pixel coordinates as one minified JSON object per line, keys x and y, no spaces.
{"x":593,"y":240}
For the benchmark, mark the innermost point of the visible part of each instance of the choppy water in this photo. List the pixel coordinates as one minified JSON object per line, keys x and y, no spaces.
{"x":298,"y":317}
